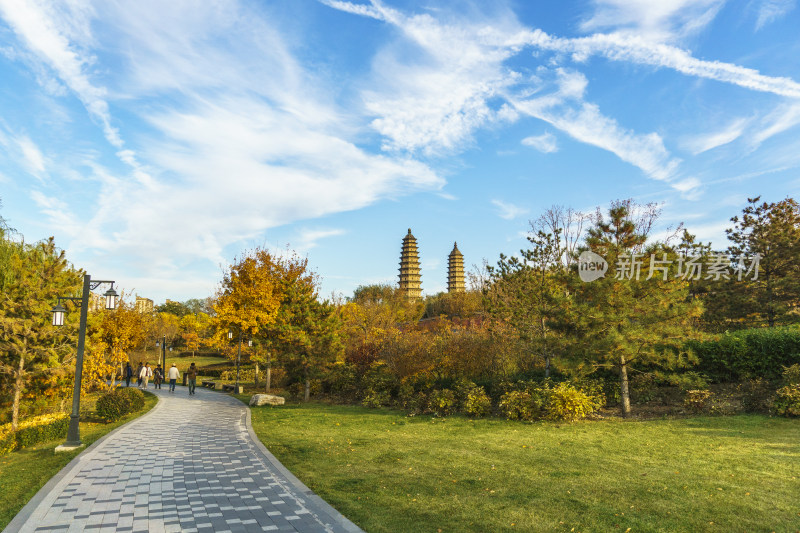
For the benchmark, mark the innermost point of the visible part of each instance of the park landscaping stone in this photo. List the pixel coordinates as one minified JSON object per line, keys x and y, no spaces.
{"x":266,"y":399}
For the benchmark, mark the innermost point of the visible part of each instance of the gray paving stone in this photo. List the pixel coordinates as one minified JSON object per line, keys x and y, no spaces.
{"x":191,"y":464}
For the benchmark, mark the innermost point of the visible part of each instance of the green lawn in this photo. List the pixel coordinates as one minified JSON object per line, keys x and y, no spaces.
{"x":24,"y":472}
{"x":391,"y":473}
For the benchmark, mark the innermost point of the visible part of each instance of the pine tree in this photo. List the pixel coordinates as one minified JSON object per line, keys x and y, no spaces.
{"x":625,"y":320}
{"x":32,"y":277}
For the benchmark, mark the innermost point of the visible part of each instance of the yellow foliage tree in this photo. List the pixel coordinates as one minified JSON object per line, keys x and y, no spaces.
{"x":248,"y":298}
{"x":115,"y":333}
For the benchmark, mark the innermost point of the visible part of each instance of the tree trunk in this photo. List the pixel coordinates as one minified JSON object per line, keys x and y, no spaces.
{"x":269,"y":373}
{"x":17,"y":394}
{"x":255,"y":385}
{"x":307,"y":392}
{"x":625,"y":395}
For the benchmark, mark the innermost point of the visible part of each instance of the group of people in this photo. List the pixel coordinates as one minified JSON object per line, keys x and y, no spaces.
{"x":144,"y":373}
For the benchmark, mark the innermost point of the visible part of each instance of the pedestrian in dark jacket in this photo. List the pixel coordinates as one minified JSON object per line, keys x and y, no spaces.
{"x":139,"y":376}
{"x":128,"y":374}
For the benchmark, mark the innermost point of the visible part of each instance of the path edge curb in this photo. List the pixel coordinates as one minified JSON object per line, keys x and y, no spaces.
{"x":26,"y":512}
{"x":335,"y":515}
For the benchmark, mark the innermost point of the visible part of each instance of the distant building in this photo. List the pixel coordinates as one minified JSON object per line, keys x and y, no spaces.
{"x":410,"y":278}
{"x":144,"y":305}
{"x":96,"y":302}
{"x":455,"y":270}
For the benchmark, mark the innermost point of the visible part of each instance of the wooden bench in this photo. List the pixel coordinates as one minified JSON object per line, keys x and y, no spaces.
{"x":210,"y":384}
{"x":232,"y":388}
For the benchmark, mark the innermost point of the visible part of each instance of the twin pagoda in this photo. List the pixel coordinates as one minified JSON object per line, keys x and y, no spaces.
{"x":410,"y":277}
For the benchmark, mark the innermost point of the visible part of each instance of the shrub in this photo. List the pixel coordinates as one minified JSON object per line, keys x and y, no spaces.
{"x":787,"y":401}
{"x":697,"y":400}
{"x":118,"y":403}
{"x":644,"y":388}
{"x":517,"y":405}
{"x":341,"y":380}
{"x":32,"y":431}
{"x":749,"y":353}
{"x":442,"y":402}
{"x":478,"y":402}
{"x":376,"y":398}
{"x":755,"y":395}
{"x":791,"y":374}
{"x":135,"y":397}
{"x":688,"y":381}
{"x":568,"y":403}
{"x":379,"y":379}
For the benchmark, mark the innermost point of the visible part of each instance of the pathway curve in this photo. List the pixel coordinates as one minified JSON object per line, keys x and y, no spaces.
{"x":191,"y":464}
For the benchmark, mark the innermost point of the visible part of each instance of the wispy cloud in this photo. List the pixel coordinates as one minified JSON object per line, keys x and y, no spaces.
{"x":665,"y":20}
{"x":771,"y":10}
{"x":702,"y":143}
{"x":545,"y":143}
{"x":509,"y":211}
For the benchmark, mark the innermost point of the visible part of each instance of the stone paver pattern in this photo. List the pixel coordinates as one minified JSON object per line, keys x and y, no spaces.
{"x":191,"y":464}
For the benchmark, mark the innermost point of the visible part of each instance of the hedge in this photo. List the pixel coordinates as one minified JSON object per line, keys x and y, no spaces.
{"x":32,"y":431}
{"x":118,"y":403}
{"x":749,"y":353}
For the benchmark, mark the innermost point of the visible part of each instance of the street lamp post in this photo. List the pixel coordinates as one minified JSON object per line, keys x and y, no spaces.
{"x":73,"y":433}
{"x":163,"y":354}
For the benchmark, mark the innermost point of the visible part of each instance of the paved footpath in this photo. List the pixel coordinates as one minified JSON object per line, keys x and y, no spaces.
{"x":191,"y":464}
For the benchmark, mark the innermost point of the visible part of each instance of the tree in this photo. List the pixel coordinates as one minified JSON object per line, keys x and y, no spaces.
{"x":193,"y":328}
{"x":527,"y":293}
{"x":622,"y":321}
{"x":305,"y":330}
{"x":249,"y":296}
{"x":769,"y":232}
{"x":114,"y":333}
{"x":32,"y":277}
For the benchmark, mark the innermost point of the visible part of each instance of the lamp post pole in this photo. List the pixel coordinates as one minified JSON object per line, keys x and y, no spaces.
{"x":238,"y":359}
{"x":73,"y":433}
{"x":164,"y":356}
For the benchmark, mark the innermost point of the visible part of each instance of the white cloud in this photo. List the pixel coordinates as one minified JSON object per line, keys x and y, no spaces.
{"x":431,"y":91}
{"x":509,"y":211}
{"x":702,"y":143}
{"x":545,"y":143}
{"x":786,"y":116}
{"x":663,"y":20}
{"x":58,"y":34}
{"x":34,"y":160}
{"x":771,"y":10}
{"x":565,"y":109}
{"x":308,"y":238}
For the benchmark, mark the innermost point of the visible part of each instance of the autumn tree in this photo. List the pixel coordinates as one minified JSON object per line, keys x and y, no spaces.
{"x":305,"y":330}
{"x":30,"y":347}
{"x":113,"y":334}
{"x":639,"y":313}
{"x":248,"y":298}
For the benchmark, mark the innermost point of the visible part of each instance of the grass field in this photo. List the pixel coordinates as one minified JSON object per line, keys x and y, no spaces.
{"x":24,"y":472}
{"x":391,"y":473}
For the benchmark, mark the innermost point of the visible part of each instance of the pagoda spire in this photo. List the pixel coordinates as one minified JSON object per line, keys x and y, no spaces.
{"x":455,"y":270}
{"x":410,"y":278}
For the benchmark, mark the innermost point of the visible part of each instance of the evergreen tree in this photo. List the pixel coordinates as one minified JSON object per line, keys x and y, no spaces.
{"x":769,"y":234}
{"x":639,"y":313}
{"x":32,"y":277}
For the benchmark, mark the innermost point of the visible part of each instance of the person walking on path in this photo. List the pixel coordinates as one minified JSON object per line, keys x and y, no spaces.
{"x":128,"y":374}
{"x":158,"y":377}
{"x":146,"y":374}
{"x":191,"y":378}
{"x":173,"y":375}
{"x":139,"y":376}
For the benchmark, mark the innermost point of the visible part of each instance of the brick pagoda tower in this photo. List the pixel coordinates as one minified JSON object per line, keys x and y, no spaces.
{"x":410,"y":278}
{"x":455,"y":270}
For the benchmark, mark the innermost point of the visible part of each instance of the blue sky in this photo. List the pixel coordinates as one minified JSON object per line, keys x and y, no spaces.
{"x":158,"y":140}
